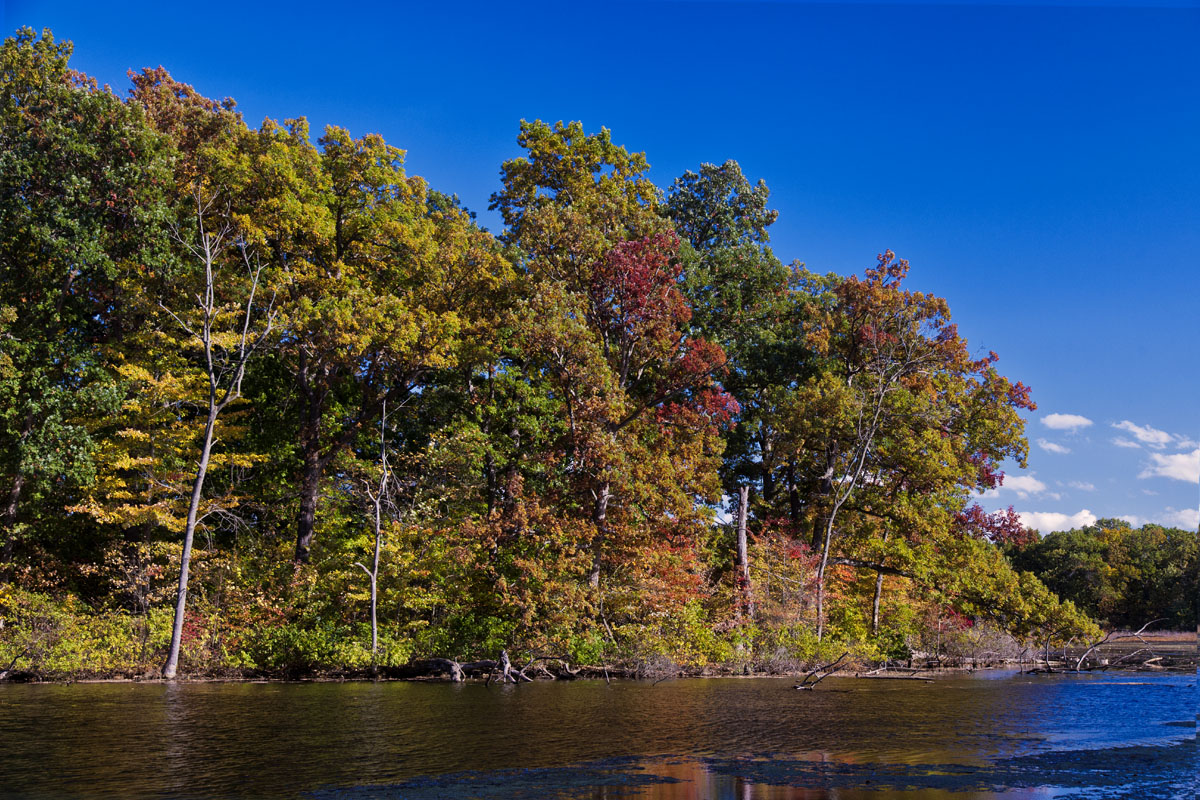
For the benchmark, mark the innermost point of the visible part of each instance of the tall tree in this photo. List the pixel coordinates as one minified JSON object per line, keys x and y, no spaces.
{"x":610,"y":322}
{"x":81,"y":199}
{"x":898,"y":407}
{"x":571,"y":198}
{"x":228,"y":330}
{"x":142,"y":462}
{"x":381,"y":295}
{"x":717,"y":208}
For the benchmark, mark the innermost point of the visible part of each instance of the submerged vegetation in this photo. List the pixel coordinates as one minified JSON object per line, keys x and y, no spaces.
{"x":367,"y":431}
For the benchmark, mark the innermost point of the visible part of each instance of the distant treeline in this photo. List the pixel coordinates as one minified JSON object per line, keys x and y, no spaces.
{"x":1120,"y":575}
{"x":366,"y":429}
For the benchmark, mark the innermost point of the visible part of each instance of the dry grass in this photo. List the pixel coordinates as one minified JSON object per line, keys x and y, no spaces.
{"x":1174,"y":637}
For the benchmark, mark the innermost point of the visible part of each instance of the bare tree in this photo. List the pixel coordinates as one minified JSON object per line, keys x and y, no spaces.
{"x":224,"y":367}
{"x":379,"y":499}
{"x":742,"y":578}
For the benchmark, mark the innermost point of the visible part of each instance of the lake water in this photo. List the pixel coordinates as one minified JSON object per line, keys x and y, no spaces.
{"x":992,"y":734}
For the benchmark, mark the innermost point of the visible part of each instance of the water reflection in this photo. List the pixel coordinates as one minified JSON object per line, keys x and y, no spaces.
{"x":971,"y":736}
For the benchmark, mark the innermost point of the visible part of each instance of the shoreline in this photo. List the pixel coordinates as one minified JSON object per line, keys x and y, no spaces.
{"x":927,"y":675}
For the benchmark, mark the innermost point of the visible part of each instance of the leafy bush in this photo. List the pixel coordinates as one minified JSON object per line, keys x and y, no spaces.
{"x":66,"y":639}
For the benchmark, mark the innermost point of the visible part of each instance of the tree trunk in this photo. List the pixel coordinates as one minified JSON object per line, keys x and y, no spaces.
{"x":490,"y":481}
{"x":875,"y":604}
{"x":878,"y":594}
{"x":8,"y":517}
{"x":375,"y":607}
{"x":310,"y":474}
{"x":793,"y":495}
{"x":189,"y":534}
{"x":828,"y":537}
{"x":310,"y":487}
{"x":745,"y":598}
{"x":824,"y":491}
{"x":8,"y":521}
{"x":378,"y":546}
{"x":375,"y":604}
{"x":600,"y":520}
{"x":768,"y":477}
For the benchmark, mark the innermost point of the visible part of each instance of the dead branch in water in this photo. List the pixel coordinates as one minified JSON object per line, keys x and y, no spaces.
{"x":828,"y":669}
{"x":1109,"y":637}
{"x":4,"y":673}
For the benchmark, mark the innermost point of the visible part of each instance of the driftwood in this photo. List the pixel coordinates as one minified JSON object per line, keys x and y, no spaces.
{"x":458,"y":671}
{"x":1110,"y":638}
{"x":885,"y":669}
{"x":503,"y":670}
{"x":828,"y":670}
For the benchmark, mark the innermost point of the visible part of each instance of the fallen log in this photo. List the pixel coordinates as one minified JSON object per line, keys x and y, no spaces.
{"x":458,"y":671}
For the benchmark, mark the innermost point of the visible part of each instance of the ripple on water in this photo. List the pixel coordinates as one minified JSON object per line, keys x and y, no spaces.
{"x":693,"y":738}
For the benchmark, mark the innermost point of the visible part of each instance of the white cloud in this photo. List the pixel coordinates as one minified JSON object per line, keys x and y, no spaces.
{"x":1186,"y":518}
{"x":1185,"y":442}
{"x":1052,"y":447}
{"x":1180,"y":466}
{"x":1065,"y":422}
{"x":1023,"y":485}
{"x":1146,"y":435}
{"x":1149,"y":492}
{"x":1122,"y":442}
{"x":1084,"y":485}
{"x":1048,"y":521}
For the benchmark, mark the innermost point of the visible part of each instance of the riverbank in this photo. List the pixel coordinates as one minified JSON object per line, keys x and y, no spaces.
{"x":419,"y":674}
{"x":49,"y":640}
{"x":1183,"y":661}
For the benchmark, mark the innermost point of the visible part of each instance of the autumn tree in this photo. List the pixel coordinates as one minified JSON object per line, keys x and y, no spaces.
{"x":1122,"y":575}
{"x":377,"y":294}
{"x":150,"y":441}
{"x":571,"y":198}
{"x":637,"y":392}
{"x":899,"y":408}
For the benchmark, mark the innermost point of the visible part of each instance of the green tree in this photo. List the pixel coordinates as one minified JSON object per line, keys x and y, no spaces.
{"x":717,"y":208}
{"x":1122,"y":575}
{"x":82,"y":180}
{"x":381,"y":298}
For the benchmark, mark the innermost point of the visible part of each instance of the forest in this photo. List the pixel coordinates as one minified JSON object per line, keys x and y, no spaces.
{"x":274,"y":406}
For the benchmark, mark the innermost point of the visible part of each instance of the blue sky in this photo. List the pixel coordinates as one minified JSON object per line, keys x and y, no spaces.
{"x":1037,"y":163}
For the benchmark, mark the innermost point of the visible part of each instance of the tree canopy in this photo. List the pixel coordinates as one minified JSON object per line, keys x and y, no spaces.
{"x":571,"y":406}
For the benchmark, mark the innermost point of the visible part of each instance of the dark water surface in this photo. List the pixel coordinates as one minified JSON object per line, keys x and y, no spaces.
{"x":986,"y":735}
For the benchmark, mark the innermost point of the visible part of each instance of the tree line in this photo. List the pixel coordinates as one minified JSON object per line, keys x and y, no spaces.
{"x":270,"y":403}
{"x":1120,"y":575}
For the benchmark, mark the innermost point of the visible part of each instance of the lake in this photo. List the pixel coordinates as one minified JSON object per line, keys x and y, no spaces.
{"x":990,"y":734}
